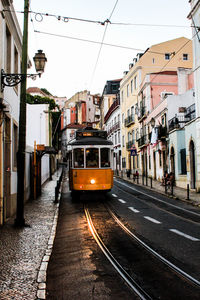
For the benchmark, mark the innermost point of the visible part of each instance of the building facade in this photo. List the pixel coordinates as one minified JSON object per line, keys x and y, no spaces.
{"x":10,"y":58}
{"x":195,"y":145}
{"x":136,"y":105}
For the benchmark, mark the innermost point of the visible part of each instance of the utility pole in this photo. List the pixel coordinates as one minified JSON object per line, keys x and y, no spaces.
{"x":20,"y":221}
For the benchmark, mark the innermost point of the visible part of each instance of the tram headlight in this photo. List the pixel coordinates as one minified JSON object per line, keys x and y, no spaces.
{"x":92,"y":181}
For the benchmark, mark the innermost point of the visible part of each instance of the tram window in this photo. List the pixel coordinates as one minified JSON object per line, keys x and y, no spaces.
{"x":92,"y":158}
{"x":79,"y":158}
{"x":105,"y":157}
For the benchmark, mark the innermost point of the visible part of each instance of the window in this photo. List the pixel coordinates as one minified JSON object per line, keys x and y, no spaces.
{"x":131,"y":86}
{"x":16,"y":61}
{"x":15,"y":145}
{"x":123,"y":162}
{"x":123,"y":141}
{"x":149,"y":162}
{"x":123,"y":118}
{"x":118,"y":118}
{"x":167,"y":56}
{"x":8,"y":50}
{"x":185,"y":56}
{"x":153,"y":60}
{"x":133,"y":136}
{"x":135,"y":82}
{"x":132,"y":111}
{"x":122,"y":95}
{"x":92,"y":158}
{"x":129,"y":136}
{"x":79,"y":158}
{"x":127,"y":90}
{"x":119,"y":140}
{"x":115,"y":139}
{"x":183,"y":161}
{"x":105,"y":157}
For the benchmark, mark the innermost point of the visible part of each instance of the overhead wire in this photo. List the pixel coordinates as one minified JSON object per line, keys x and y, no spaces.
{"x":95,"y":42}
{"x":104,"y":34}
{"x":39,"y":17}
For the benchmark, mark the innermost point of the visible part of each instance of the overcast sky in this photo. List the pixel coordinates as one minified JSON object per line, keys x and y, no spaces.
{"x":73,"y":64}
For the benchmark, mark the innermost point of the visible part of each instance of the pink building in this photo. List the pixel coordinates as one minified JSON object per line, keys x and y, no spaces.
{"x":153,"y":125}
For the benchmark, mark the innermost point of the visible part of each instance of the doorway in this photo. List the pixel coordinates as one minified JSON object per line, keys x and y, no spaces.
{"x":154,"y":163}
{"x":192,"y":165}
{"x":172,"y":159}
{"x":7,"y":168}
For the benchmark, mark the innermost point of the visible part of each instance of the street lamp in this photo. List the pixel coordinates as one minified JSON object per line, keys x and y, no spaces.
{"x":12,"y":80}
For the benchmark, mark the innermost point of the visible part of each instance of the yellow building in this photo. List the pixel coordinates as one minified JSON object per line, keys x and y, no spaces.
{"x":166,"y":56}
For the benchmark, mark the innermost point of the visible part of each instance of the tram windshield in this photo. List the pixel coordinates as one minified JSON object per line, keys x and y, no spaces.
{"x":79,"y":158}
{"x":92,"y":158}
{"x":105,"y":157}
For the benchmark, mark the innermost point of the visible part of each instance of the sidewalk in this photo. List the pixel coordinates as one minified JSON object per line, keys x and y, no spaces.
{"x":24,"y":252}
{"x":178,"y":193}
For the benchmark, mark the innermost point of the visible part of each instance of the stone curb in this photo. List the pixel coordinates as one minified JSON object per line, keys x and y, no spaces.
{"x":41,"y":278}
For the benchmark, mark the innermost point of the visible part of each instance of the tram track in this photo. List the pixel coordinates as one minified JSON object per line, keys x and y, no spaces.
{"x":139,"y":287}
{"x":179,"y":271}
{"x":118,"y":267}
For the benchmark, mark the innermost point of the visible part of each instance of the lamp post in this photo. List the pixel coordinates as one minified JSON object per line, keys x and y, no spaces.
{"x":40,"y":60}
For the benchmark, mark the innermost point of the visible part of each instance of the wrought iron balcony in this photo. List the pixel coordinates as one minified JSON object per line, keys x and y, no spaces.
{"x":129,"y":145}
{"x":179,"y":121}
{"x":143,"y":140}
{"x":142,"y":113}
{"x":115,"y":127}
{"x":129,"y":120}
{"x":162,"y":132}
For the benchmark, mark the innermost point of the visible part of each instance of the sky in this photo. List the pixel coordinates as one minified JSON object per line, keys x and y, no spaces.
{"x":76,"y":58}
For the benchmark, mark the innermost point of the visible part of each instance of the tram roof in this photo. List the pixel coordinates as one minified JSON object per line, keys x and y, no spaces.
{"x":91,"y":141}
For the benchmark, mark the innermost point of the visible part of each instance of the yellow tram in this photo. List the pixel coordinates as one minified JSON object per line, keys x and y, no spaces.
{"x":90,"y":161}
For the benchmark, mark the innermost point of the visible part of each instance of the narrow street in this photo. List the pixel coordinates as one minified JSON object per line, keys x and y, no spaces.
{"x":78,"y":268}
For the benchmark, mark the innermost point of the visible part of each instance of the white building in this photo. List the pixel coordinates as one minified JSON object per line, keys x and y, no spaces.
{"x":37,"y":130}
{"x":195,"y":145}
{"x":10,"y":58}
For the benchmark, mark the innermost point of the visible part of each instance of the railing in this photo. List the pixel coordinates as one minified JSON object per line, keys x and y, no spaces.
{"x":115,"y":104}
{"x":115,"y":127}
{"x":162,"y":132}
{"x":129,"y":120}
{"x":190,"y":112}
{"x":129,"y":145}
{"x":141,"y":113}
{"x":180,"y":121}
{"x":143,"y":140}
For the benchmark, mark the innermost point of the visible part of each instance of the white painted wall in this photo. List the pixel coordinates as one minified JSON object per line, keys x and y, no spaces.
{"x":37,"y":124}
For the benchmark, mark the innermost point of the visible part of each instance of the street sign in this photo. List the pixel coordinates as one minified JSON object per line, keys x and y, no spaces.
{"x":40,"y":147}
{"x":133,"y":152}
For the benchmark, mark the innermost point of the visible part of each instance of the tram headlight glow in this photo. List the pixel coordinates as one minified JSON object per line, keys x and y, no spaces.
{"x":92,"y":181}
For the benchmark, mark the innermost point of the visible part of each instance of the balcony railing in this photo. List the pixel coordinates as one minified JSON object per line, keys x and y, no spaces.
{"x":143,"y":140}
{"x":162,"y":132}
{"x":190,"y":112}
{"x":181,"y":120}
{"x":142,"y":113}
{"x":115,"y":127}
{"x":129,"y":145}
{"x":129,"y":120}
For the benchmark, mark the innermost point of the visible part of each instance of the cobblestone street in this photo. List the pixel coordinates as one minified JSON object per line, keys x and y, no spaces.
{"x":22,"y":249}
